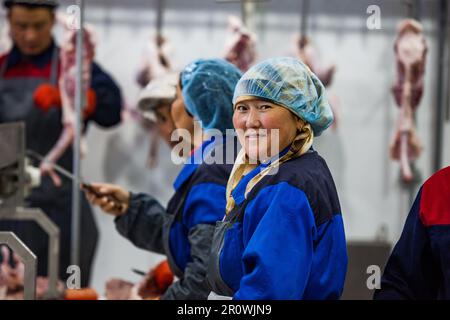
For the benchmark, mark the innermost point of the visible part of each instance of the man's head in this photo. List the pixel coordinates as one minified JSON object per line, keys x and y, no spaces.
{"x":31,"y":23}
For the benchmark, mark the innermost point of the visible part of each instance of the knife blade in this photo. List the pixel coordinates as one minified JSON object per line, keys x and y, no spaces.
{"x":69,"y":175}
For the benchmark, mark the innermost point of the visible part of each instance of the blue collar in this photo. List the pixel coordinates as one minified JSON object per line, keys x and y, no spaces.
{"x":239,"y":191}
{"x":193,"y":162}
{"x":282,"y":153}
{"x":41,"y":60}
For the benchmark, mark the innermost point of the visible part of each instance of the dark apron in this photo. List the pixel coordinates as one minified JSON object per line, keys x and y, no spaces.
{"x":175,"y":217}
{"x":214,"y":278}
{"x":43,"y":129}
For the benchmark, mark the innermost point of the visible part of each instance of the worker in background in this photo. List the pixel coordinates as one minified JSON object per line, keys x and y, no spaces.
{"x":155,"y":101}
{"x":154,"y":104}
{"x":283,"y":234}
{"x":183,"y":231}
{"x":32,"y":62}
{"x":419,"y":265}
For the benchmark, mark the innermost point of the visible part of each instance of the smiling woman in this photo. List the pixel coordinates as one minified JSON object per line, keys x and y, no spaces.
{"x":264,"y":128}
{"x":282,"y":209}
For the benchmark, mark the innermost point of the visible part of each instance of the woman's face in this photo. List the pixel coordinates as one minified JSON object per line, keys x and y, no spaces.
{"x":181,"y":118}
{"x":165,"y":123}
{"x":262,"y":126}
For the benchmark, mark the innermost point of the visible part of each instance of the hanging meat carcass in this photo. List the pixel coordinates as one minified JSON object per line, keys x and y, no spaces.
{"x":308,"y":54}
{"x":157,"y":63}
{"x":410,"y":51}
{"x":306,"y":51}
{"x":46,"y":95}
{"x":240,"y":46}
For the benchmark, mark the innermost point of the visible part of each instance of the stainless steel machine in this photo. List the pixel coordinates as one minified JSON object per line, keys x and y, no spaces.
{"x":16,"y":179}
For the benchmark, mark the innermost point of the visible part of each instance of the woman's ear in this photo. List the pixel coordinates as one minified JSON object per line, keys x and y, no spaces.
{"x":300,"y":123}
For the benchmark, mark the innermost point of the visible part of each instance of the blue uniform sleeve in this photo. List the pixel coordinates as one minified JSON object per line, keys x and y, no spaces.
{"x":143,"y":223}
{"x":205,"y":204}
{"x":109,"y":98}
{"x":409,"y":272}
{"x":279,"y":231}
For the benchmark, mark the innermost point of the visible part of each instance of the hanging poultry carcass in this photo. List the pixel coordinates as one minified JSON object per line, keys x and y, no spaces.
{"x":410,"y":51}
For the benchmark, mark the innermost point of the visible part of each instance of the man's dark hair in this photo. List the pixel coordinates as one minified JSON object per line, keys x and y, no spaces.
{"x":31,"y":4}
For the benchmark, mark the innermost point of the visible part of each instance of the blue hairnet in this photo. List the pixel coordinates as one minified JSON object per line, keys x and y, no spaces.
{"x":207,"y":88}
{"x":289,"y":83}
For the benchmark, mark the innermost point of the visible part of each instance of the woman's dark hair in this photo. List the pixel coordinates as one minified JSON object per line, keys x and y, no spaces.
{"x":179,"y":82}
{"x":181,"y":87}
